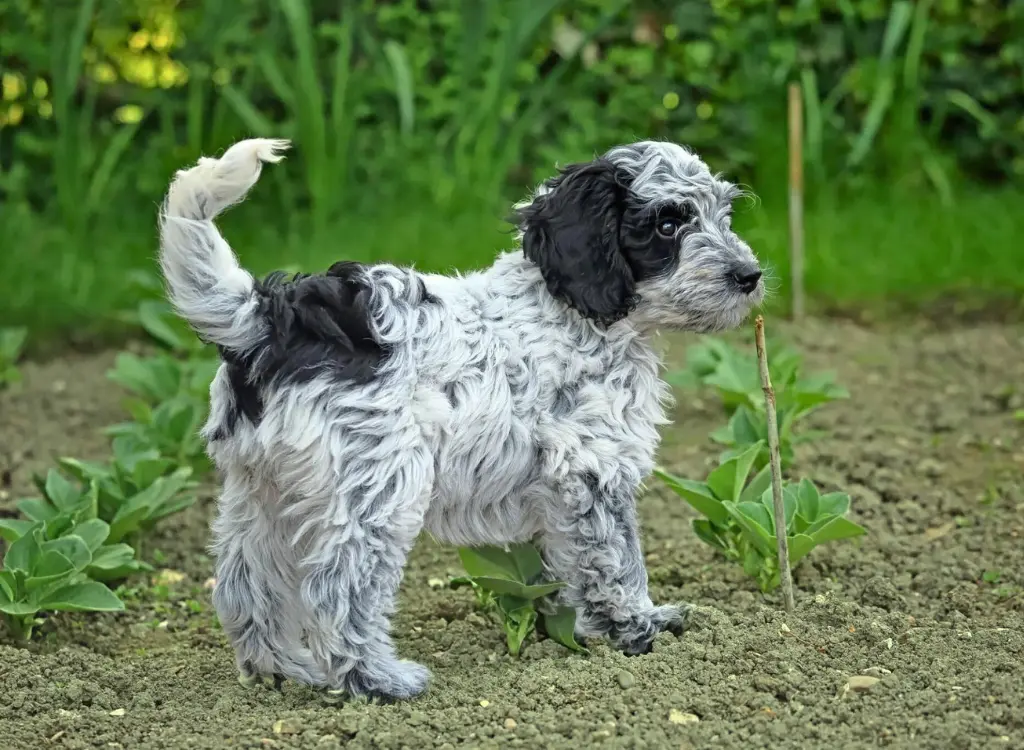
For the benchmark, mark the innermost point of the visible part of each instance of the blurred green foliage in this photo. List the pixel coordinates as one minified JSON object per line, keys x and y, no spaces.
{"x":101,"y":99}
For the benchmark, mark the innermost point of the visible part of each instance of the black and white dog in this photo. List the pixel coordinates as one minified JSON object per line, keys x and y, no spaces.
{"x":355,"y":408}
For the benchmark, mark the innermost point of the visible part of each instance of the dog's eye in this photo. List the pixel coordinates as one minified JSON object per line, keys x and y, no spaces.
{"x":669,"y":227}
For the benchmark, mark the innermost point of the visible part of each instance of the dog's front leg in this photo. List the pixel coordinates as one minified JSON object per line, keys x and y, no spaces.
{"x":592,"y":542}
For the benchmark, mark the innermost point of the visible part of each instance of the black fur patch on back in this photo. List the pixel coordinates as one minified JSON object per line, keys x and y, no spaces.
{"x":317,"y":325}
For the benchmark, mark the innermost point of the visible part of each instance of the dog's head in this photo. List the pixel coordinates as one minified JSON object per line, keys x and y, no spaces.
{"x":642,"y":231}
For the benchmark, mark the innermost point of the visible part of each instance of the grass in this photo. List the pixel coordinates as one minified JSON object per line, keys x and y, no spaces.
{"x":869,"y":251}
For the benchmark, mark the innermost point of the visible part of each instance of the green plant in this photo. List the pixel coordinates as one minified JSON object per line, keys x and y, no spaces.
{"x":325,"y":104}
{"x":86,"y":164}
{"x":739,"y":519}
{"x":139,"y":488}
{"x":41,"y":573}
{"x":508,"y":582}
{"x":169,"y":404}
{"x":171,"y":430}
{"x":734,"y":375}
{"x":12,"y":341}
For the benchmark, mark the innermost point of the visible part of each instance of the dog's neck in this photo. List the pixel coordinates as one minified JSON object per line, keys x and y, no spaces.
{"x":513,"y":276}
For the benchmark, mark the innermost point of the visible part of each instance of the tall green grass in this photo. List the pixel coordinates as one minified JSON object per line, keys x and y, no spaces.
{"x":890,"y":132}
{"x":871,"y":249}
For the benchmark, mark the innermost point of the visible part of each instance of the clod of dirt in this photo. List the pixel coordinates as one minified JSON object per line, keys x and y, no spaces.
{"x":625,"y":679}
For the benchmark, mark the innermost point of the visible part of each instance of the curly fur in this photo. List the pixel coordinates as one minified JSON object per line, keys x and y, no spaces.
{"x":355,"y":408}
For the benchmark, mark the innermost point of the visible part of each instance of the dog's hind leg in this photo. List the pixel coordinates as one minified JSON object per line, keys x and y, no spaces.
{"x":254,"y":594}
{"x":355,"y":555}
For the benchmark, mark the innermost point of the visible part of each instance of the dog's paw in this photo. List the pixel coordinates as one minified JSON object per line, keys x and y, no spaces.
{"x":391,"y":680}
{"x":636,"y":635}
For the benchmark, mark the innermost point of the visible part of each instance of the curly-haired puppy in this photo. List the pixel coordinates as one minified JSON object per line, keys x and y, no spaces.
{"x":355,"y":408}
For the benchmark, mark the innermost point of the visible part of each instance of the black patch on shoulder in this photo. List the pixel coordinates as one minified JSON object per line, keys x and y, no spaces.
{"x":317,"y":324}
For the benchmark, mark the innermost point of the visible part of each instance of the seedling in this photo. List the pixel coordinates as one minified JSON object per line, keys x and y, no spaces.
{"x":65,"y":509}
{"x":508,"y":582}
{"x":52,"y":574}
{"x":169,"y":404}
{"x":734,"y":375}
{"x":12,"y":341}
{"x":138,"y":489}
{"x":156,"y":317}
{"x":155,"y":380}
{"x":739,"y":520}
{"x":170,"y":430}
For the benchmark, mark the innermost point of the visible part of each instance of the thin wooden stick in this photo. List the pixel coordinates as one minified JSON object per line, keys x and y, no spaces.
{"x":782,"y":546}
{"x":796,"y":198}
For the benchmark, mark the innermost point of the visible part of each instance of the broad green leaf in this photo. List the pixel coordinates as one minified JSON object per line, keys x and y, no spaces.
{"x":756,"y":524}
{"x":17,"y":609}
{"x":706,"y":532}
{"x":789,"y":504}
{"x":93,"y":532}
{"x":508,"y":587}
{"x":560,"y":626}
{"x":23,"y":553}
{"x":89,"y":596}
{"x":489,"y":561}
{"x":125,"y":521}
{"x":8,"y":585}
{"x":169,"y":508}
{"x":800,"y":524}
{"x":114,"y":562}
{"x":727,"y":481}
{"x":11,"y":342}
{"x":73,"y":547}
{"x":799,"y":546}
{"x":833,"y":504}
{"x":527,"y":560}
{"x":50,"y":567}
{"x":84,"y":470}
{"x":756,"y":487}
{"x":147,"y":470}
{"x":836,"y":529}
{"x":157,"y":318}
{"x":703,"y":359}
{"x":60,"y":491}
{"x":807,"y":498}
{"x":747,"y":427}
{"x":38,"y":509}
{"x":11,"y":529}
{"x":698,"y":495}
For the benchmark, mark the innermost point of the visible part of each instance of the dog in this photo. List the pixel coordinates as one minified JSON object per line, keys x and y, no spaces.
{"x":355,"y":408}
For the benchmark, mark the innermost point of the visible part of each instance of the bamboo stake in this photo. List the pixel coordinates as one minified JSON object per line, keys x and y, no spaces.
{"x":781,"y":544}
{"x":796,"y":199}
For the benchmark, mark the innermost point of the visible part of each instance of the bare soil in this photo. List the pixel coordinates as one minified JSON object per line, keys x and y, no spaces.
{"x":930,"y":602}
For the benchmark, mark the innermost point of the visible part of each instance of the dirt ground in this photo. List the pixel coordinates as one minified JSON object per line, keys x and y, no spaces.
{"x":930,"y":601}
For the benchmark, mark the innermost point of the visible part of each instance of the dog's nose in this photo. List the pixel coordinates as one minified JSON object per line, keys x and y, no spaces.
{"x":745,"y":278}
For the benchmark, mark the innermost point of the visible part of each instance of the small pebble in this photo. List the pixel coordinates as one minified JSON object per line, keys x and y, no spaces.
{"x":286,"y":726}
{"x":679,"y":717}
{"x":117,"y":712}
{"x":861,"y":682}
{"x":510,"y":723}
{"x":877,"y":671}
{"x":168,"y":577}
{"x":485,"y":703}
{"x":626,"y":679}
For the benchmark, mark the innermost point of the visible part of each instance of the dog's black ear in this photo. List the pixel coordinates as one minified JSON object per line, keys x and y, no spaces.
{"x":572,"y":233}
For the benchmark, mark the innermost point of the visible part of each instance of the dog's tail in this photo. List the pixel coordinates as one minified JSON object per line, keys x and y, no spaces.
{"x":205,"y":283}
